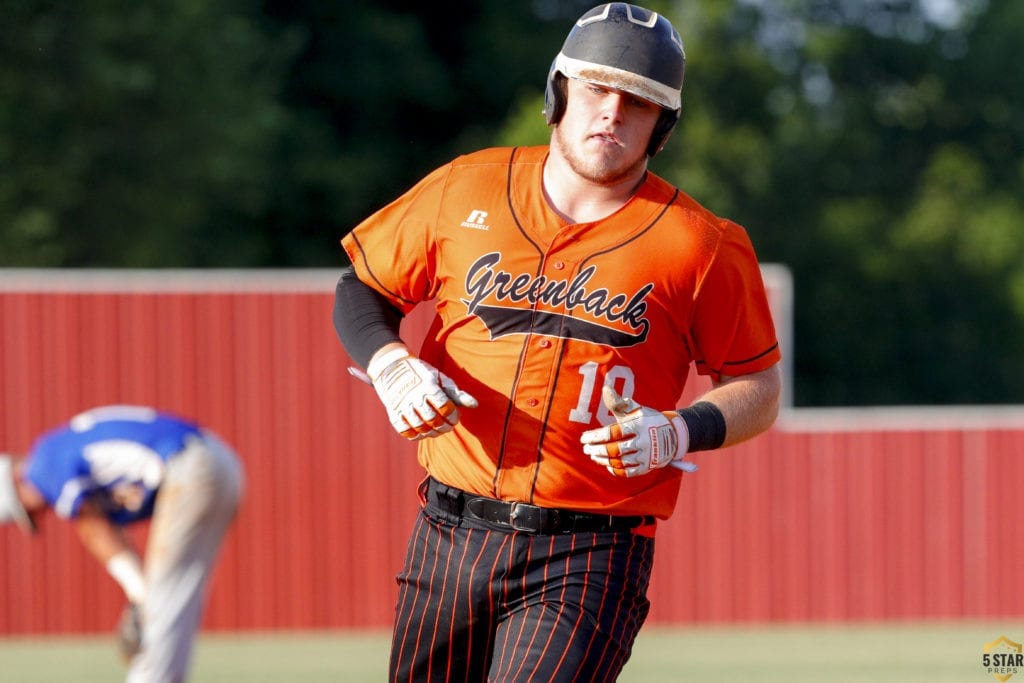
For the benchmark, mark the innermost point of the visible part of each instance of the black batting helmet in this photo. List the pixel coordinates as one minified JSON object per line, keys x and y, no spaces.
{"x":628,"y":48}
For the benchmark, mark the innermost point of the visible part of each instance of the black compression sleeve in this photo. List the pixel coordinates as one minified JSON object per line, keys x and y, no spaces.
{"x":706,"y":425}
{"x":363,"y":319}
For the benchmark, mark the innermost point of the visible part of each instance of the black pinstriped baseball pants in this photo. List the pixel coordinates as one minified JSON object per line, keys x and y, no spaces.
{"x":476,"y":604}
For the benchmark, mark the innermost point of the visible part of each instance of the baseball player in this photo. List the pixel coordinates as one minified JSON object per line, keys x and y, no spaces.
{"x":573,"y":290}
{"x":115,"y":465}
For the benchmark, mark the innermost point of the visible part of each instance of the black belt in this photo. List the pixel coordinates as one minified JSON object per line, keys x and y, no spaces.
{"x":532,"y":519}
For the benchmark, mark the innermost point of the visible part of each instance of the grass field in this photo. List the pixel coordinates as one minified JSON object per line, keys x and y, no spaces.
{"x":913,"y":653}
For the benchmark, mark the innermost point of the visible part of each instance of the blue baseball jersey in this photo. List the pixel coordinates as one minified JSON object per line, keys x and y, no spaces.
{"x":115,"y":455}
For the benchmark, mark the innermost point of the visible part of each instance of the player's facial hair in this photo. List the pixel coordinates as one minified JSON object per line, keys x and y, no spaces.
{"x":600,"y":172}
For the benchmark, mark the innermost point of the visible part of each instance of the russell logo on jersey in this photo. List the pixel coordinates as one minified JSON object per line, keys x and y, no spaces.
{"x":476,"y":220}
{"x":488,"y":287}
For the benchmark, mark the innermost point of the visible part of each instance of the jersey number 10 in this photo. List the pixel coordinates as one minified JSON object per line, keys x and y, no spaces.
{"x":590,"y":392}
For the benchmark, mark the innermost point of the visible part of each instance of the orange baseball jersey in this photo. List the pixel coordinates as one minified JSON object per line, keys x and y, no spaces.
{"x":535,"y":314}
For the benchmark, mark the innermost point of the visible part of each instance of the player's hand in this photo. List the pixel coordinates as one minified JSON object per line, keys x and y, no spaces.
{"x":640,"y":440}
{"x":128,"y":632}
{"x":421,"y":401}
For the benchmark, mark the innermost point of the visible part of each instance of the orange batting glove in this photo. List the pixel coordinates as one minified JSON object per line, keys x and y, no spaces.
{"x":640,"y":440}
{"x":421,"y":401}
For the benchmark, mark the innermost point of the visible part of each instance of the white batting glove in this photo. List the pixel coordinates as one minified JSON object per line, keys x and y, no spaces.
{"x":421,"y":401}
{"x":640,"y":440}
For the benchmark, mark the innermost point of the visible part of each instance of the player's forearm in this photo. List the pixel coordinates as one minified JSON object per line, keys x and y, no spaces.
{"x":748,"y":403}
{"x":108,"y":544}
{"x":101,"y":537}
{"x":363,"y":319}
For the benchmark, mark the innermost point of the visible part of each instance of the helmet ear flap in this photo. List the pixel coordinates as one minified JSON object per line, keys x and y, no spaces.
{"x":662,"y":129}
{"x":554,"y":97}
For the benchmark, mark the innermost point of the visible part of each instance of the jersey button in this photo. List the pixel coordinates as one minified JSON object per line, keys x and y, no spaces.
{"x":559,"y":265}
{"x":545,"y":343}
{"x":532,"y":402}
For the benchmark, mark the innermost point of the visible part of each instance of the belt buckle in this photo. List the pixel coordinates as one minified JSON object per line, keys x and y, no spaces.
{"x":513,"y":518}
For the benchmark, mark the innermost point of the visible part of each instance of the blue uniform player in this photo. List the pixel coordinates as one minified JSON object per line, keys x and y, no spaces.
{"x":114,"y":465}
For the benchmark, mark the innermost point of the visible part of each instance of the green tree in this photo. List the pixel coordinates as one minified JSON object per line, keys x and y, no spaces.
{"x":136,"y":134}
{"x":907,"y":238}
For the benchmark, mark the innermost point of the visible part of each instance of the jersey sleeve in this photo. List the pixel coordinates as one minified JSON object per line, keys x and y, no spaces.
{"x":58,"y":478}
{"x":732,"y":329}
{"x":393,"y":250}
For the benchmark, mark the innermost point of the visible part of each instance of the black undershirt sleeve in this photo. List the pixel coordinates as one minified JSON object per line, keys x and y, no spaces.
{"x":363,"y":319}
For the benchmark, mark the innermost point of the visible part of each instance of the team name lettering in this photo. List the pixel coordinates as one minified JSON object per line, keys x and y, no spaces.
{"x":484,"y":282}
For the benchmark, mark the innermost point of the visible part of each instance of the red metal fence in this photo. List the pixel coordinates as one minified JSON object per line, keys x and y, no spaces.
{"x":895,"y":515}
